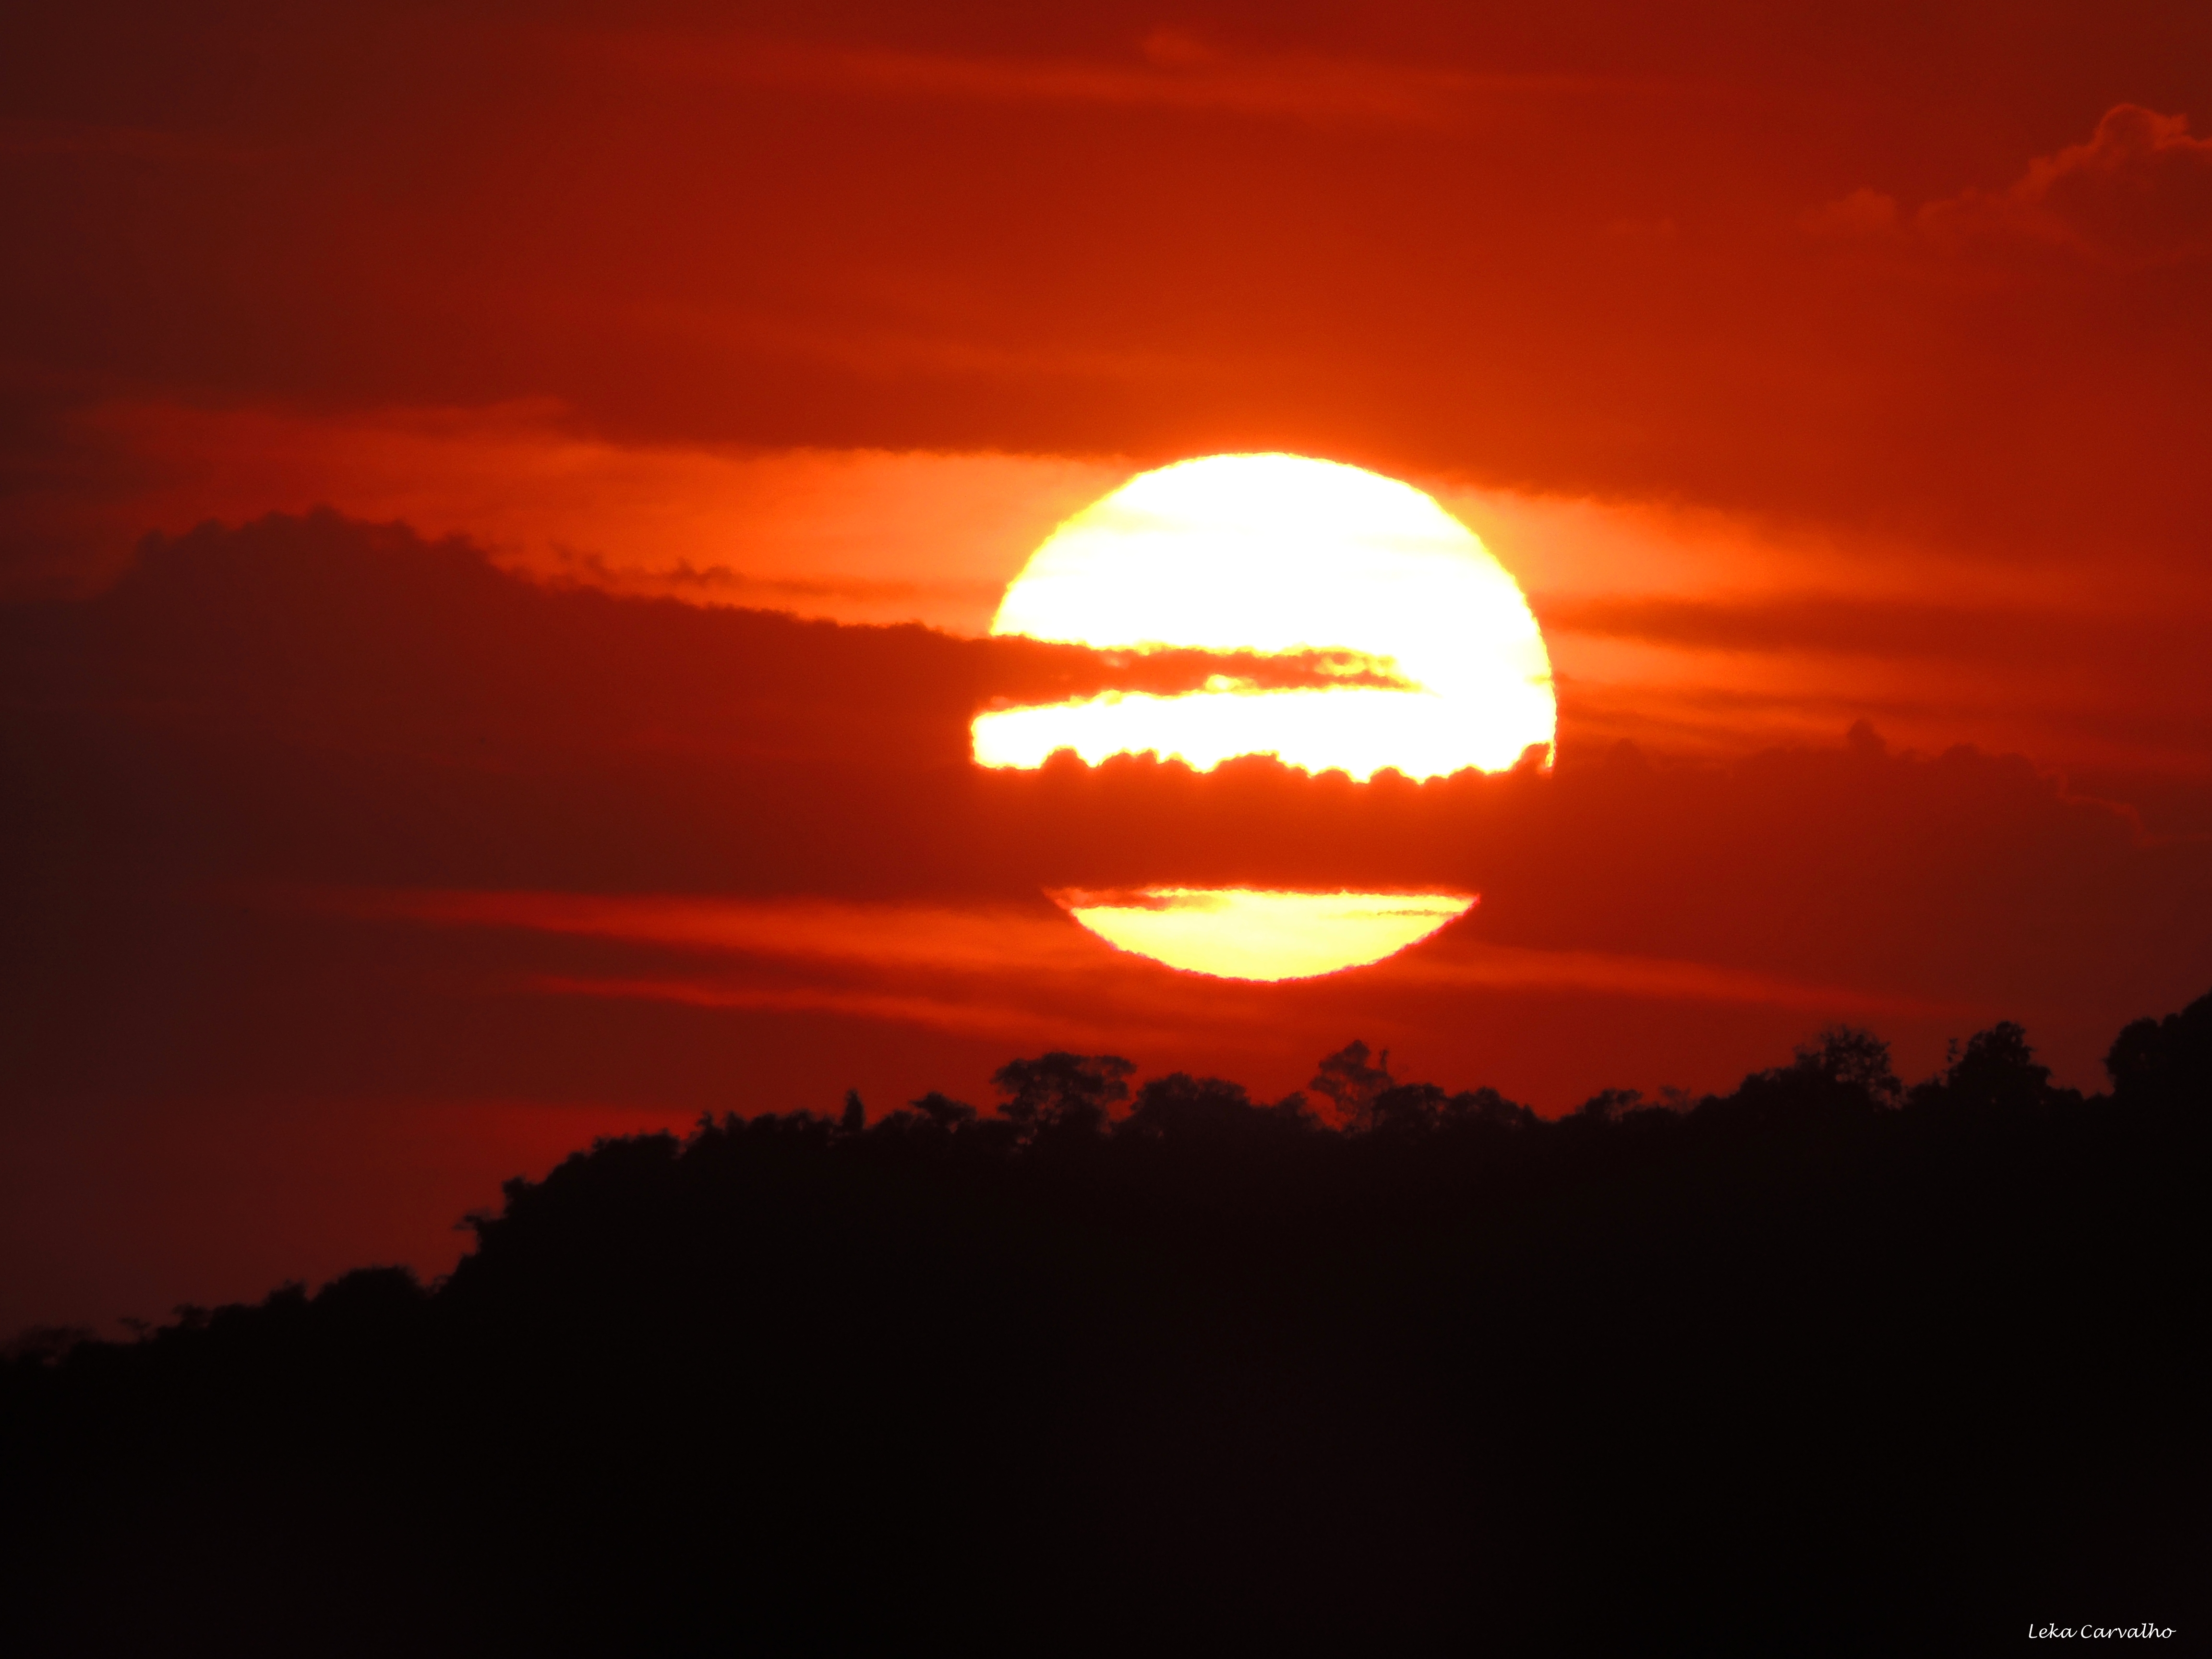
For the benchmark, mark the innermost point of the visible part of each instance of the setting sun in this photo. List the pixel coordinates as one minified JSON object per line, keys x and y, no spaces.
{"x":1279,"y":553}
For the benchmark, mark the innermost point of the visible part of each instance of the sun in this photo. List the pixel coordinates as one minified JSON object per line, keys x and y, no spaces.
{"x":1237,"y":932}
{"x":1281,"y":554}
{"x":1277,"y":553}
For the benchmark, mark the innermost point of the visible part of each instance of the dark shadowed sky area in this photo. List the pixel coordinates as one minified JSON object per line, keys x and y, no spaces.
{"x":500,"y":508}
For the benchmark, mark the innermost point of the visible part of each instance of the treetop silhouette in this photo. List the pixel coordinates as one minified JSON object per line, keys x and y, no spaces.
{"x":1713,"y":1363}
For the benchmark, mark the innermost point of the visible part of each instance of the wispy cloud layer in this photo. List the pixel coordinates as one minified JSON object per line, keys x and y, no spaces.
{"x":1027,"y":966}
{"x":1171,"y":70}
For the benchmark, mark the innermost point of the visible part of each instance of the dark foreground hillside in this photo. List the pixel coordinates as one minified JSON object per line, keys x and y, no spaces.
{"x":1818,"y":1366}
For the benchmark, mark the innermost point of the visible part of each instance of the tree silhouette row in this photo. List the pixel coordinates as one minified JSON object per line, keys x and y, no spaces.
{"x":1823,"y":1363}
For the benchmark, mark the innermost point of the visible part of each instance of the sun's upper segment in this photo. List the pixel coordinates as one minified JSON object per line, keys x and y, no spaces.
{"x":1277,"y":553}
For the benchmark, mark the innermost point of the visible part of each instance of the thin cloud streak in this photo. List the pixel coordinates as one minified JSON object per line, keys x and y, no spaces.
{"x":1505,"y":966}
{"x":1837,"y":624}
{"x":996,"y":1021}
{"x":935,"y":937}
{"x":1177,"y":73}
{"x":1036,"y":951}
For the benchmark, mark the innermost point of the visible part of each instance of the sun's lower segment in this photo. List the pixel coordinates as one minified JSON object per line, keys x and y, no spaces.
{"x":1237,"y":932}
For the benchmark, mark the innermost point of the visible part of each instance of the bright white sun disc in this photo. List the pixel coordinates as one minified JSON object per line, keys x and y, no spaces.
{"x":1279,"y":553}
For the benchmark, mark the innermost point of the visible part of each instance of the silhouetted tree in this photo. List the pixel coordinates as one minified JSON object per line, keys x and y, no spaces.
{"x":1352,"y":1086}
{"x":1996,"y":1072}
{"x":672,"y":1372}
{"x":1180,"y":1107}
{"x":1843,"y":1070}
{"x":1489,"y":1108}
{"x":1062,"y":1092}
{"x":939,"y":1113}
{"x":1606,"y":1104}
{"x":1405,"y":1109}
{"x":39,"y":1344}
{"x":1852,"y":1060}
{"x":2167,"y":1062}
{"x":1183,"y":1109}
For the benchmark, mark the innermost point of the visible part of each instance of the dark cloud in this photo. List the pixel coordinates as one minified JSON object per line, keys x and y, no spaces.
{"x":317,"y":703}
{"x":1900,"y":629}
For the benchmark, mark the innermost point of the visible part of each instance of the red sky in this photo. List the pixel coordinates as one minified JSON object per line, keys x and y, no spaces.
{"x":1808,"y":368}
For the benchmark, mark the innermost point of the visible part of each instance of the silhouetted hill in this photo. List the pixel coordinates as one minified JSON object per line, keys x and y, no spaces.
{"x":1821,"y":1366}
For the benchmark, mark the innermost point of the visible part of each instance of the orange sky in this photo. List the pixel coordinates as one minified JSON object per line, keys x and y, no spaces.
{"x":1808,"y":368}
